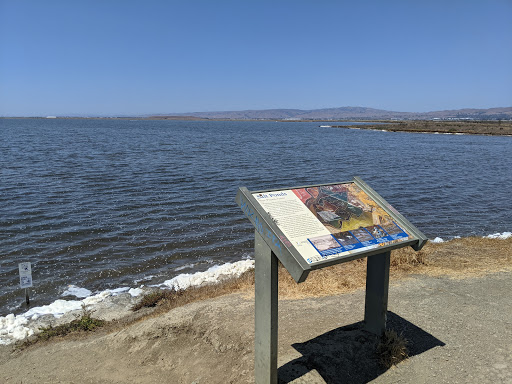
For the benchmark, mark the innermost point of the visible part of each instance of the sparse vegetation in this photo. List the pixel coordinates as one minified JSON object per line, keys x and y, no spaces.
{"x":391,"y":349}
{"x":155,"y":298}
{"x":83,"y":323}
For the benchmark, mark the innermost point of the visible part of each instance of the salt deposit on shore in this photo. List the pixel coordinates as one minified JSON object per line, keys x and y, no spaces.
{"x":212,"y":275}
{"x":18,"y":327}
{"x":500,"y":236}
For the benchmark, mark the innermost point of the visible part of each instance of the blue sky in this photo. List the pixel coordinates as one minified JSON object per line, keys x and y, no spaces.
{"x":140,"y":57}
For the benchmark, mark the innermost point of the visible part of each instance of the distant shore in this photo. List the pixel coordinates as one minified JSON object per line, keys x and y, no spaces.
{"x":454,"y":127}
{"x":493,"y":128}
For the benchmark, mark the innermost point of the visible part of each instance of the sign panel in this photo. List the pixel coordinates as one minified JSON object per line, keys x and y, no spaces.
{"x":25,"y":275}
{"x":330,"y":221}
{"x":315,"y":226}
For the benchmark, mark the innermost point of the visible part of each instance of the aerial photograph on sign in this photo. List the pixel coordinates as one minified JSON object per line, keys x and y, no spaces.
{"x":329,"y":221}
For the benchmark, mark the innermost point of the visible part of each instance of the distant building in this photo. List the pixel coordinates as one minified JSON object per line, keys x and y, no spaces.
{"x":51,"y":117}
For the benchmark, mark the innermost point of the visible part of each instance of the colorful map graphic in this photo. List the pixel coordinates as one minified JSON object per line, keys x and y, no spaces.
{"x":351,"y":216}
{"x":342,"y":207}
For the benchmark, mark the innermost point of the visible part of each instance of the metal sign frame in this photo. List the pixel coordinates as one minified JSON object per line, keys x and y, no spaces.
{"x":272,"y":245}
{"x":286,"y":252}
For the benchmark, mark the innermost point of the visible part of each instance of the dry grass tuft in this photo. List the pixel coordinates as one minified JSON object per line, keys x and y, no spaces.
{"x":467,"y":257}
{"x":391,"y":349}
{"x":340,"y":278}
{"x":347,"y":277}
{"x":155,"y":298}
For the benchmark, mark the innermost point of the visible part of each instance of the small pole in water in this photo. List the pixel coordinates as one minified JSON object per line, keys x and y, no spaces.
{"x":25,"y":278}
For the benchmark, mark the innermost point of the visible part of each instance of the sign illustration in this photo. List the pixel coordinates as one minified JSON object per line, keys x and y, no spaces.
{"x":329,"y":221}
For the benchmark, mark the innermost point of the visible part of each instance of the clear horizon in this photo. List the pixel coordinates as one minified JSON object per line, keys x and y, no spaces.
{"x":239,"y":110}
{"x":60,"y":58}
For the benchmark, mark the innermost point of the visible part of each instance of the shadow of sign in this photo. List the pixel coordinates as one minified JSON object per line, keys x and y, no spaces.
{"x":347,"y":354}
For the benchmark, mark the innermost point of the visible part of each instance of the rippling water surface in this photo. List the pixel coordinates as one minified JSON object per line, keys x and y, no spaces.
{"x":106,"y":203}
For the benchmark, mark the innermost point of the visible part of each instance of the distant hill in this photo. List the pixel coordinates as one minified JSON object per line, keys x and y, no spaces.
{"x":354,"y":113}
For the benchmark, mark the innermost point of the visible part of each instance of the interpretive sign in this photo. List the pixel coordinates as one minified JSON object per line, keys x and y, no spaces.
{"x":312,"y":227}
{"x":25,"y":275}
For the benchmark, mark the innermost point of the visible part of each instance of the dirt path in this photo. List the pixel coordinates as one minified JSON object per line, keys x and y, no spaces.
{"x":460,"y":331}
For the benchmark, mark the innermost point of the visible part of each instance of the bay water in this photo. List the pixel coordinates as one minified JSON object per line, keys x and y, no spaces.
{"x":107,"y":203}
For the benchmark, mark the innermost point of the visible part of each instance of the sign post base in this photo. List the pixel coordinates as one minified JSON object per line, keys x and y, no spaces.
{"x":377,"y":286}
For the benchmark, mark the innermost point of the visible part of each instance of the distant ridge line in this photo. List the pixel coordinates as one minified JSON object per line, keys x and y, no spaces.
{"x":350,"y":113}
{"x":341,"y":113}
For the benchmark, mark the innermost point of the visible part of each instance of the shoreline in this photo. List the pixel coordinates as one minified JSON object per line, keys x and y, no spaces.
{"x":452,"y":127}
{"x":482,"y":128}
{"x":440,"y":257}
{"x":110,"y":303}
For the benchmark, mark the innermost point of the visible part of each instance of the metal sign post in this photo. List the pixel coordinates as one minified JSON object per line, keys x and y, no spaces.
{"x":312,"y":227}
{"x":265,"y":338}
{"x":376,"y":298}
